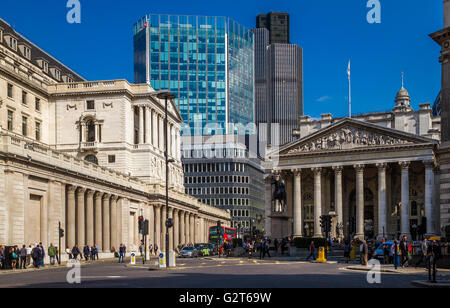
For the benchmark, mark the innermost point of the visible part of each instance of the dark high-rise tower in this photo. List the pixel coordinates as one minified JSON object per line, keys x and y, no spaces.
{"x":443,"y":39}
{"x":278,"y":26}
{"x":278,"y":79}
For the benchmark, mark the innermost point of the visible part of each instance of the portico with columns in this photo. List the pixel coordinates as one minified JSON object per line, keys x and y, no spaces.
{"x":362,"y":175}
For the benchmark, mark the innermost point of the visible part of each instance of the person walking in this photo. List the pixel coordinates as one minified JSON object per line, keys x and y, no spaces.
{"x":2,"y":257}
{"x":121,"y":253}
{"x":23,"y":257}
{"x":76,"y":252}
{"x":52,"y":253}
{"x":404,"y":251}
{"x":69,"y":253}
{"x":42,"y":254}
{"x":15,"y":258}
{"x":150,"y":248}
{"x":29,"y":250}
{"x":36,"y":255}
{"x":347,"y":250}
{"x":422,"y":253}
{"x":396,"y":253}
{"x":312,"y":251}
{"x":156,"y":249}
{"x":86,"y":252}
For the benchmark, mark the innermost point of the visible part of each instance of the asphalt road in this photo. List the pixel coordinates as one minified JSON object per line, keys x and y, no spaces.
{"x":209,"y":273}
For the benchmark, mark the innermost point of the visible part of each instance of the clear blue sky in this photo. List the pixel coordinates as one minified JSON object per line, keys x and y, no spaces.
{"x":329,"y":31}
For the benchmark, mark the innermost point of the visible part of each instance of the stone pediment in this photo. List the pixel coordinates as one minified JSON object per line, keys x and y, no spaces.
{"x":349,"y":134}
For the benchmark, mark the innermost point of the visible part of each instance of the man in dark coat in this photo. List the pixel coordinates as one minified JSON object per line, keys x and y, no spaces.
{"x":404,"y":250}
{"x":36,"y":254}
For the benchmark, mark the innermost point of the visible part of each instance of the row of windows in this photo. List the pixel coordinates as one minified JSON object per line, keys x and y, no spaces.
{"x":217,"y":191}
{"x":222,"y":202}
{"x":240,"y":213}
{"x":242,"y":224}
{"x":25,"y":126}
{"x":215,"y":153}
{"x":25,"y":97}
{"x":216,"y":179}
{"x":214,"y":167}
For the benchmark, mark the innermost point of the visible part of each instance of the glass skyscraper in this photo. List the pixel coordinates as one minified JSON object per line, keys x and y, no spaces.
{"x":207,"y":62}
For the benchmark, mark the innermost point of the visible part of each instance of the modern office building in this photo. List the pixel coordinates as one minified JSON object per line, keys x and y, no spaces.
{"x":278,"y":85}
{"x":278,"y":25}
{"x":220,"y":171}
{"x":207,"y":62}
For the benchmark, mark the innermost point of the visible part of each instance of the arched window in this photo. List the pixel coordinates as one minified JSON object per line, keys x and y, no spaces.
{"x":91,"y":159}
{"x":90,"y":125}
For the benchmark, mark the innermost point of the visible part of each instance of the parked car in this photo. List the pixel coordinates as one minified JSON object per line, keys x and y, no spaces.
{"x":189,"y":252}
{"x":379,"y":252}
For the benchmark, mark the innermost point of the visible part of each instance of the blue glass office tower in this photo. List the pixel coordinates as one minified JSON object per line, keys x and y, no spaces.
{"x":207,"y":62}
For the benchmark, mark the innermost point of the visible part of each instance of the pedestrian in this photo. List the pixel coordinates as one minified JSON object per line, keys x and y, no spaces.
{"x":386,"y":252}
{"x":42,"y":254}
{"x":422,"y":253}
{"x":29,"y":250}
{"x":404,"y":251}
{"x":150,"y":248}
{"x":396,"y":253}
{"x":347,"y":250}
{"x":52,"y":253}
{"x":141,"y":249}
{"x":261,"y":250}
{"x":36,"y":254}
{"x":57,"y":254}
{"x":364,"y":251}
{"x":76,"y":252}
{"x":86,"y":252}
{"x":312,"y":251}
{"x":156,"y":249}
{"x":69,"y":253}
{"x":96,"y":253}
{"x":23,"y":257}
{"x":121,"y":253}
{"x":15,"y":258}
{"x":2,"y":257}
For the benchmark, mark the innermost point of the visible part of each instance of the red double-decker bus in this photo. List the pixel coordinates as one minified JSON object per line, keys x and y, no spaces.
{"x":228,"y":234}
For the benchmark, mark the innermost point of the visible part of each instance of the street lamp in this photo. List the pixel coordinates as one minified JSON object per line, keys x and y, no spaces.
{"x":166,"y":96}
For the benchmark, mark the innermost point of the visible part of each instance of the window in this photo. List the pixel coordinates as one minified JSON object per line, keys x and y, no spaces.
{"x":45,"y":66}
{"x":1,"y":35}
{"x":24,"y":97}
{"x":57,"y":74}
{"x":13,"y":43}
{"x":38,"y":131}
{"x":10,"y":120}
{"x":24,"y":126}
{"x":10,"y":90}
{"x":90,"y":105}
{"x":37,"y":104}
{"x":90,"y":131}
{"x":27,"y":52}
{"x":92,"y":159}
{"x":111,"y":159}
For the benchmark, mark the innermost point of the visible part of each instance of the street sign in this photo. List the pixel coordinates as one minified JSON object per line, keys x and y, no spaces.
{"x":133,"y":259}
{"x":162,"y":260}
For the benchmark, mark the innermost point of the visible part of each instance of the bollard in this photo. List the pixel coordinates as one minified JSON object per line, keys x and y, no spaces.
{"x":321,"y":258}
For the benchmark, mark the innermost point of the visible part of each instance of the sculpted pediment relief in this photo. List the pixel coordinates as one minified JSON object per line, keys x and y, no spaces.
{"x":346,"y":138}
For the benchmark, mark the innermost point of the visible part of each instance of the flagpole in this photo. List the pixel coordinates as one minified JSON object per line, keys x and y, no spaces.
{"x":349,"y":90}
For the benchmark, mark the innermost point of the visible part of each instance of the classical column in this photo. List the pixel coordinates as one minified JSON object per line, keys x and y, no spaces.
{"x":141,"y":125}
{"x":81,"y":240}
{"x":405,"y":225}
{"x":359,"y":201}
{"x":338,"y":199}
{"x":98,"y":235}
{"x":158,"y":226}
{"x":71,"y":212}
{"x":382,"y":201}
{"x":268,"y":203}
{"x":298,"y":223}
{"x":163,"y":228}
{"x":148,"y":126}
{"x":171,"y":230}
{"x":114,"y":242}
{"x":90,"y":218}
{"x":106,"y":223}
{"x":429,"y":188}
{"x":317,"y":201}
{"x":182,"y":229}
{"x":151,"y":219}
{"x":155,"y":129}
{"x":176,"y":229}
{"x":161,"y":133}
{"x":192,"y":228}
{"x":187,"y":229}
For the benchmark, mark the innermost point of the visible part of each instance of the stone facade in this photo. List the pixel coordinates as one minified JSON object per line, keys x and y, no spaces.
{"x":360,"y":170}
{"x":88,"y":155}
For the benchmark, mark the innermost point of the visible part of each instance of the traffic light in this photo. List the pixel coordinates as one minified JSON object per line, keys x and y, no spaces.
{"x":141,"y":224}
{"x":146,"y":227}
{"x":61,"y":232}
{"x":169,"y":223}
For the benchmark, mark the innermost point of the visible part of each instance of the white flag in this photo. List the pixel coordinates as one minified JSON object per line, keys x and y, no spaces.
{"x":348,"y":70}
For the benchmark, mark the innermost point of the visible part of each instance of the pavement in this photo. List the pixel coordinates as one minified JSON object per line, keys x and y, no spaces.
{"x":208,"y":272}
